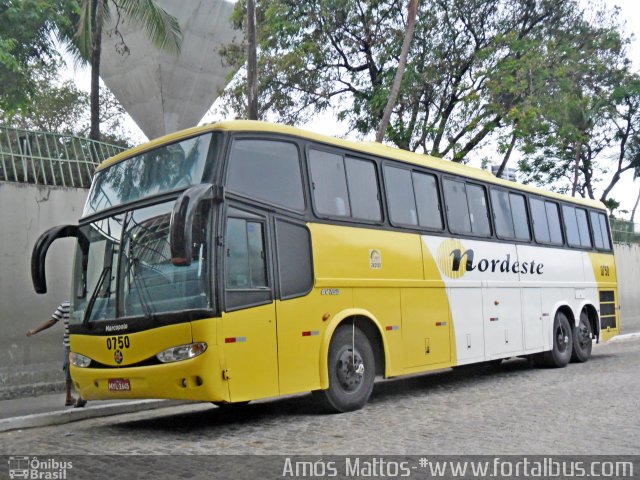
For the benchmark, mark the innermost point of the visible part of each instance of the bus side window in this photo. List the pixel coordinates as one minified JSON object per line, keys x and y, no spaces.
{"x":363,"y":189}
{"x":606,"y":240}
{"x":428,"y":200}
{"x":502,"y":214}
{"x":295,"y":265}
{"x":540,"y":224}
{"x":329,"y":184}
{"x":402,"y":202}
{"x":520,"y":217}
{"x":583,"y":227}
{"x":571,"y":225}
{"x":597,"y":232}
{"x":478,"y":210}
{"x":267,"y":170}
{"x":553,"y":218}
{"x":245,"y":257}
{"x":455,"y":198}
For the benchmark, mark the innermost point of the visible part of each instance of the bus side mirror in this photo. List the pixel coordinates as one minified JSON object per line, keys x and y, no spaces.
{"x":39,"y":254}
{"x":182,"y":216}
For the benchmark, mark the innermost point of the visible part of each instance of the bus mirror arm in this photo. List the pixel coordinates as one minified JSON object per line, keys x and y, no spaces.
{"x":39,"y":254}
{"x":182,"y":217}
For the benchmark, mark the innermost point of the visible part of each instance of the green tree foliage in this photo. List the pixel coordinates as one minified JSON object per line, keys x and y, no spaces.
{"x":318,"y":54}
{"x":588,"y":109}
{"x":60,"y":107}
{"x":26,"y":43}
{"x":547,"y":79}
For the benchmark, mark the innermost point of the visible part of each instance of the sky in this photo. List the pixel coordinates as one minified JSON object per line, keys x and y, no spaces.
{"x":626,"y":191}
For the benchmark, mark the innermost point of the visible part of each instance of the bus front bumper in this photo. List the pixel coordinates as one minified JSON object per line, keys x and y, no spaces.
{"x":198,"y":378}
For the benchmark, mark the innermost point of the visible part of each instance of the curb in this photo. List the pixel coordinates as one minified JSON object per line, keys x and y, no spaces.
{"x":626,"y":336}
{"x":76,"y":414}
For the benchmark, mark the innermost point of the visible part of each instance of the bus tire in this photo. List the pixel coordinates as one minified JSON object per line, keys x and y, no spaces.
{"x":352,"y":370}
{"x":560,"y":354}
{"x":582,"y":339}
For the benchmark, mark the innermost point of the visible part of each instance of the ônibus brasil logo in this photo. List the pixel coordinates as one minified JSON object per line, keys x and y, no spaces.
{"x":454,"y":260}
{"x":35,"y":468}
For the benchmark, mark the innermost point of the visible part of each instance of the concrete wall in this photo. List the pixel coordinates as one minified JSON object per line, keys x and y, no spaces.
{"x":628,"y":265}
{"x":25,"y":212}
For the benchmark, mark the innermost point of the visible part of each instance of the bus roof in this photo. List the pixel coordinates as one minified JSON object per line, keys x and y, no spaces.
{"x":373,"y":148}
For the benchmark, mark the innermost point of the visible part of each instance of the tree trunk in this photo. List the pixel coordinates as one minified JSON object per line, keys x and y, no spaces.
{"x":252,"y":61}
{"x":98,"y":10}
{"x":576,"y":169}
{"x":633,"y":212}
{"x":507,"y":155}
{"x":412,"y":11}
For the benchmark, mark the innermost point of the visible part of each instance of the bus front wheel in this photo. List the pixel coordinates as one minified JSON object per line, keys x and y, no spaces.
{"x":582,"y":341}
{"x":351,"y":370}
{"x":560,"y":354}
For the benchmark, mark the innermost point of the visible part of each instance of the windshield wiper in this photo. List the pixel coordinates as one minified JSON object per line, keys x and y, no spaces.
{"x":87,"y":313}
{"x":140,"y":286}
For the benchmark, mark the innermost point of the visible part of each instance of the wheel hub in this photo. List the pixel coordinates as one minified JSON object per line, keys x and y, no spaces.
{"x":585,"y":335}
{"x":350,"y":370}
{"x":562,"y":339}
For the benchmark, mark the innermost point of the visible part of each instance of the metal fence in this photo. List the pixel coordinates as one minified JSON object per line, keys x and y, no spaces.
{"x":625,"y":232}
{"x":43,"y":158}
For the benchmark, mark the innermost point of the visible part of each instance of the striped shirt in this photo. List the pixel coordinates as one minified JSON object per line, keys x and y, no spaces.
{"x":62,"y":313}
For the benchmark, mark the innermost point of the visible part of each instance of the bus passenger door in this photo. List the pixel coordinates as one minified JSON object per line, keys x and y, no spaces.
{"x":250,"y":362}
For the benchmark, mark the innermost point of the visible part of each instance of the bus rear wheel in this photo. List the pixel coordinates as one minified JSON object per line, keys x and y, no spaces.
{"x":560,"y":354}
{"x":582,"y":339}
{"x":352,"y":371}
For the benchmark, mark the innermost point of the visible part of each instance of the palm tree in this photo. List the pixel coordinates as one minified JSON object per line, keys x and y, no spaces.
{"x":161,"y":28}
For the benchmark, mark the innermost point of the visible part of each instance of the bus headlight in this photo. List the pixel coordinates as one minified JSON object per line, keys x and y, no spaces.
{"x":78,"y":360}
{"x":182,"y":352}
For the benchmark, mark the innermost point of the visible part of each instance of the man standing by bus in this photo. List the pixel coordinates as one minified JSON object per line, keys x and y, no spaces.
{"x":62,"y":313}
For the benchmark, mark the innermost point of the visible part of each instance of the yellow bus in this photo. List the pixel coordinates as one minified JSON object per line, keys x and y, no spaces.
{"x":244,"y":260}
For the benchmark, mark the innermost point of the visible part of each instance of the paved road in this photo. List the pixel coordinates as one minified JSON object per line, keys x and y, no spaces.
{"x":591,"y":408}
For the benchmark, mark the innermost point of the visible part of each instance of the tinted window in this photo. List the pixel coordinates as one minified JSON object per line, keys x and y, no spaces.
{"x":457,"y":207}
{"x":329,"y":184}
{"x":553,"y":216}
{"x":160,"y":170}
{"x":363,"y":189}
{"x":267,"y":170}
{"x":246,"y":260}
{"x":478,"y":210}
{"x":597,"y":232}
{"x":502,"y":214}
{"x":295,"y":267}
{"x":571,"y":225}
{"x":402,"y":203}
{"x":520,"y":219}
{"x":426,"y":192}
{"x":583,"y":227}
{"x":605,"y":232}
{"x":539,"y":217}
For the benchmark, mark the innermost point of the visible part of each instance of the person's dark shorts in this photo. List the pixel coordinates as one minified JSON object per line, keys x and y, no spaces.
{"x":65,"y":365}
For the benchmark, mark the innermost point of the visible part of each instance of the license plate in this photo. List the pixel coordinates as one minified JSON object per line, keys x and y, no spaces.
{"x":119,"y":384}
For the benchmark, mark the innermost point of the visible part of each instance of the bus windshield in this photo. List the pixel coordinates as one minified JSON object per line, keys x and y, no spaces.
{"x":170,"y":167}
{"x":123,"y":268}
